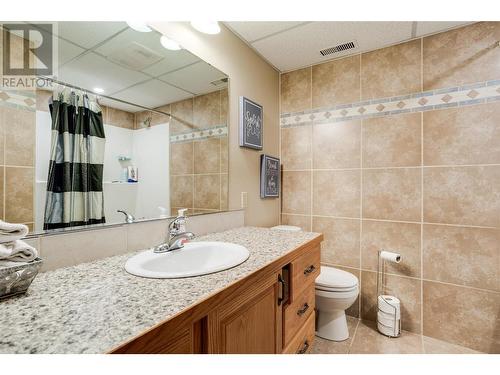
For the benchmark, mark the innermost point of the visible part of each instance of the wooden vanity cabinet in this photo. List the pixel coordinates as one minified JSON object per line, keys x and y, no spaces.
{"x":269,"y":311}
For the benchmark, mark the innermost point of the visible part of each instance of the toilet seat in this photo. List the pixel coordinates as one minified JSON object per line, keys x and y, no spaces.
{"x":332,"y":279}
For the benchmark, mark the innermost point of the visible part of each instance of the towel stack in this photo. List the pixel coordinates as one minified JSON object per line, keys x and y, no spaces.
{"x":11,"y":246}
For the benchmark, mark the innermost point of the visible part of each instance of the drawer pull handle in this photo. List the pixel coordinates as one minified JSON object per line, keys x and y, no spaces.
{"x":304,"y":308}
{"x":309,"y":270}
{"x":304,"y":348}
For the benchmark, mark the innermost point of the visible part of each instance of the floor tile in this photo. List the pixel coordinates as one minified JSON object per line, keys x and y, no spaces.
{"x":434,"y":346}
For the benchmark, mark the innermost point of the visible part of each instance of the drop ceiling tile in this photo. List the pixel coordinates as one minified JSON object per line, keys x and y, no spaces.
{"x":251,"y":31}
{"x":116,"y":104}
{"x":152,"y":94}
{"x":88,"y":34}
{"x":300,"y":46}
{"x":195,"y":78}
{"x":66,"y":51}
{"x":430,"y":27}
{"x":92,"y":70}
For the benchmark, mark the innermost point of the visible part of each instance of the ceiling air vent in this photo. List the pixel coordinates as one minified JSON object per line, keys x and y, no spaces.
{"x":220,"y":82}
{"x":339,"y":48}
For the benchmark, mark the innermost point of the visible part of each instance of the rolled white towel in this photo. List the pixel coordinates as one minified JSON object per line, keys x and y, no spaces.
{"x":12,"y":232}
{"x":18,"y":251}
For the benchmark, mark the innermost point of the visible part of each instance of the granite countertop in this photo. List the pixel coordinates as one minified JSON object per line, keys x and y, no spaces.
{"x":94,"y":307}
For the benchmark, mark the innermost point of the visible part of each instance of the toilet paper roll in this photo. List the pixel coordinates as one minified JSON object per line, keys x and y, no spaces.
{"x":390,"y":305}
{"x":390,"y":256}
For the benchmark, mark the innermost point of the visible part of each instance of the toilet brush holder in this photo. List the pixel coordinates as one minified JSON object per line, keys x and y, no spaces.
{"x":388,"y":307}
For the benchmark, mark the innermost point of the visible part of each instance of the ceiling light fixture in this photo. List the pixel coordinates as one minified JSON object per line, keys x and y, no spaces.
{"x":169,"y":43}
{"x":139,"y":26}
{"x":207,"y":27}
{"x":98,"y":90}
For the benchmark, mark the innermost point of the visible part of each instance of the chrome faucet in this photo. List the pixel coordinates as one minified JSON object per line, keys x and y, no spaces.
{"x":128,"y":217}
{"x":177,"y":234}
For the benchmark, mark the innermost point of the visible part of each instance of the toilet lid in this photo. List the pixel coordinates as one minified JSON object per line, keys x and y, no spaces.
{"x":332,"y":278}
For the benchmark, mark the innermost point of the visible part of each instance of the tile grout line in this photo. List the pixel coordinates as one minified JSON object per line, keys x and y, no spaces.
{"x":360,"y":194}
{"x":396,"y":167}
{"x":353,"y":335}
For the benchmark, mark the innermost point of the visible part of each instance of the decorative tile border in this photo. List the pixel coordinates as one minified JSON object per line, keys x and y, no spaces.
{"x":216,"y":131}
{"x":18,"y":99}
{"x":477,"y":93}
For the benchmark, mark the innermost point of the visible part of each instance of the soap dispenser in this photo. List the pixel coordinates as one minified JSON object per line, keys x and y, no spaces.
{"x":182,"y":218}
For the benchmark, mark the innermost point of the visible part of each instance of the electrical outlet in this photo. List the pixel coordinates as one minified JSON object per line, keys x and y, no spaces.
{"x":244,"y":199}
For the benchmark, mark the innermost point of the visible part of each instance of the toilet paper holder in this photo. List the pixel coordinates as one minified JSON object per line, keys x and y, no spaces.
{"x":395,"y":330}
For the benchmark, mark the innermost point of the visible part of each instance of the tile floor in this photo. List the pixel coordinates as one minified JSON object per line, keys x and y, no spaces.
{"x":365,"y":339}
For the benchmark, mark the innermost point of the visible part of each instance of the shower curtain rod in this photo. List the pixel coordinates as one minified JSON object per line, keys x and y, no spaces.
{"x":103,"y":96}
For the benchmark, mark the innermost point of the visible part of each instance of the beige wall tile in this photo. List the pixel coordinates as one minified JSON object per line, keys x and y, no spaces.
{"x":461,"y":56}
{"x":182,"y":117}
{"x":207,"y":191}
{"x":296,"y":90}
{"x":337,"y":145}
{"x":462,"y":316}
{"x":207,"y":156}
{"x":336,"y":193}
{"x":402,"y":238}
{"x":224,"y":183}
{"x":391,"y":71}
{"x":42,"y":100}
{"x":296,"y":192}
{"x":296,"y":152}
{"x":224,"y":107}
{"x":341,"y":240}
{"x":19,"y":194}
{"x":2,"y":171}
{"x":392,"y":194}
{"x":462,"y":195}
{"x":119,"y":118}
{"x":224,"y":154}
{"x":302,"y":221}
{"x":404,"y":288}
{"x":19,"y":133}
{"x":460,"y":255}
{"x":207,"y":110}
{"x":464,"y":135}
{"x":369,"y":341}
{"x":392,"y":141}
{"x":181,"y":191}
{"x":80,"y":247}
{"x":181,"y":158}
{"x":336,"y":82}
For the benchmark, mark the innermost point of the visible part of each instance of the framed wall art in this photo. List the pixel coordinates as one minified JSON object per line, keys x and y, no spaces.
{"x":251,"y":124}
{"x":270,"y":174}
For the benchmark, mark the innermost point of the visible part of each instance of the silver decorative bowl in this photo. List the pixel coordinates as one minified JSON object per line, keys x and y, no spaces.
{"x":16,"y":277}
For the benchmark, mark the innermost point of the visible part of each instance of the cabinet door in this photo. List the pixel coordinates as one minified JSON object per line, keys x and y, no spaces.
{"x":254,"y":327}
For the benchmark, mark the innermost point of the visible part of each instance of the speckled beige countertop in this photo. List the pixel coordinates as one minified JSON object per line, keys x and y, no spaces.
{"x":94,"y":307}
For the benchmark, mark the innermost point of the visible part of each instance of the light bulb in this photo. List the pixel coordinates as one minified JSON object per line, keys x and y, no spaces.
{"x":98,"y":90}
{"x":207,"y":27}
{"x":139,"y":26}
{"x":169,"y":43}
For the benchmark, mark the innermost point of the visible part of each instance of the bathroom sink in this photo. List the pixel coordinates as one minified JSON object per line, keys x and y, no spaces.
{"x":194,"y":259}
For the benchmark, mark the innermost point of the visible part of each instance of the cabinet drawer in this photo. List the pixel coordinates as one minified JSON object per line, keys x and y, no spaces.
{"x":303,"y":340}
{"x":304,"y":271}
{"x":297,"y":313}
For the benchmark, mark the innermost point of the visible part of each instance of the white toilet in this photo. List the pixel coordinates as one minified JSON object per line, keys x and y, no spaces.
{"x":336,"y":291}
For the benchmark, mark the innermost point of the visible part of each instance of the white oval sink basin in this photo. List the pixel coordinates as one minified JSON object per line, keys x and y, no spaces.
{"x":194,"y":259}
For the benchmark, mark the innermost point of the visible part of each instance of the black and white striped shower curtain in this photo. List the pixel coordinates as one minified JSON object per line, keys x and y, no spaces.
{"x":74,"y":184}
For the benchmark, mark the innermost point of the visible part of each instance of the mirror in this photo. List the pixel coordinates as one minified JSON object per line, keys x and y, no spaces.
{"x":132,"y":126}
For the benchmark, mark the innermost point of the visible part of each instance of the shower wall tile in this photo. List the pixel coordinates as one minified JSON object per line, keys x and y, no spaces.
{"x":336,"y":193}
{"x":462,"y":195}
{"x":182,"y":116}
{"x":181,"y":191}
{"x":392,"y":194}
{"x":224,"y":103}
{"x":341,"y":240}
{"x":337,"y":145}
{"x":224,"y":151}
{"x":119,"y":118}
{"x":224,"y":191}
{"x":408,"y":290}
{"x":42,"y":100}
{"x":461,"y":56}
{"x":296,"y":147}
{"x":392,"y":141}
{"x":391,"y":71}
{"x":302,"y":221}
{"x":207,"y":191}
{"x":461,"y":136}
{"x":403,"y":238}
{"x":296,"y":192}
{"x":461,"y":255}
{"x":296,"y":90}
{"x":207,"y":156}
{"x":19,"y":184}
{"x":181,"y":158}
{"x":207,"y":110}
{"x":336,"y":82}
{"x":19,"y":135}
{"x":464,"y":316}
